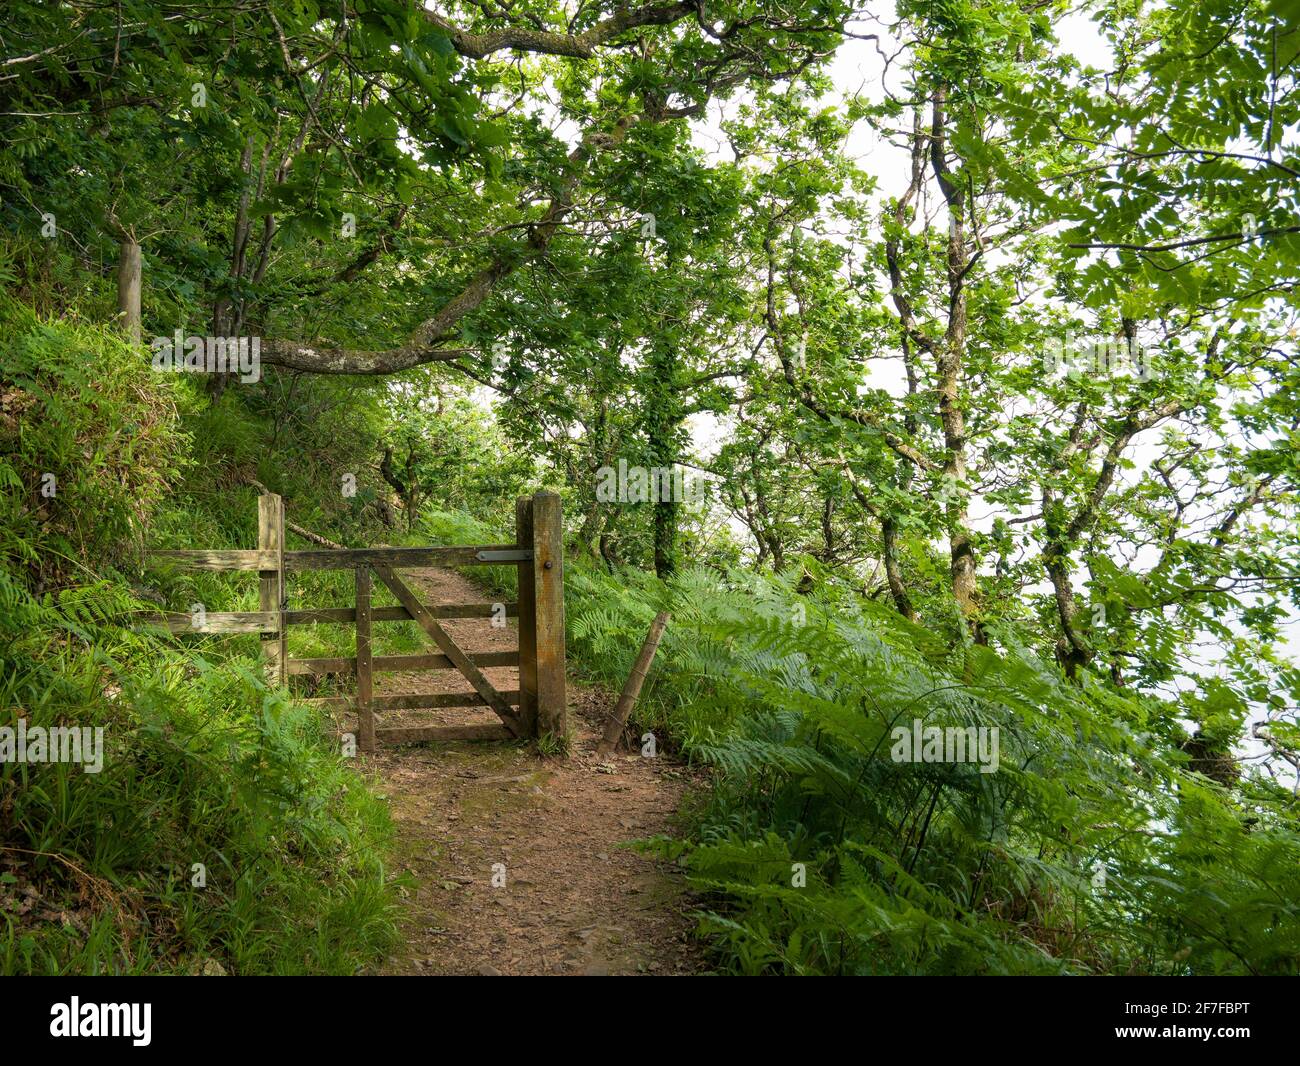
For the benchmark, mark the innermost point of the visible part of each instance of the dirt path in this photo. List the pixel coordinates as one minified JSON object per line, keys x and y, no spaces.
{"x":575,"y":899}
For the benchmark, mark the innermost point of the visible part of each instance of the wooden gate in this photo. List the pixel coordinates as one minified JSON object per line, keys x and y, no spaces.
{"x":537,"y":707}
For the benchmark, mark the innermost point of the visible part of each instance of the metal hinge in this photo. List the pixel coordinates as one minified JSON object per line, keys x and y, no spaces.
{"x":509,"y":555}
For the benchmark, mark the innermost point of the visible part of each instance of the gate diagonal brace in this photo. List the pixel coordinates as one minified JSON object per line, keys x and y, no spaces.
{"x":449,"y":648}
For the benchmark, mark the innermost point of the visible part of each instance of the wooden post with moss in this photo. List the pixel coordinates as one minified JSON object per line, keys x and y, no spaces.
{"x":270,"y":584}
{"x":365,"y":663}
{"x":632,"y":687}
{"x":527,"y":620}
{"x":548,"y":613}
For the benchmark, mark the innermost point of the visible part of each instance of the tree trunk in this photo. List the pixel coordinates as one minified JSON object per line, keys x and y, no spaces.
{"x":128,"y":288}
{"x":894,"y":572}
{"x":665,"y":538}
{"x":664,"y":421}
{"x":951,"y":357}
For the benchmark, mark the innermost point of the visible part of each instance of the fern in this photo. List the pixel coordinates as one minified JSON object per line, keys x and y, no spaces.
{"x":933,"y":868}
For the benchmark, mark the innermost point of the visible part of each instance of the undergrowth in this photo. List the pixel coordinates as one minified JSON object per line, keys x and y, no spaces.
{"x":1090,"y":849}
{"x":224,"y":831}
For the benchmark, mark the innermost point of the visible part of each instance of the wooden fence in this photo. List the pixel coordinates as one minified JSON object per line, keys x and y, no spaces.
{"x":537,"y":707}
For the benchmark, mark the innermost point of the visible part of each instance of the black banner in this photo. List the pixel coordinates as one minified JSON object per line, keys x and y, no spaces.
{"x":150,"y":1015}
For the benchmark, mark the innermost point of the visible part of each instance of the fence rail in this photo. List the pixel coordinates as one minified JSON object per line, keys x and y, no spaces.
{"x":236,"y":622}
{"x":341,"y":559}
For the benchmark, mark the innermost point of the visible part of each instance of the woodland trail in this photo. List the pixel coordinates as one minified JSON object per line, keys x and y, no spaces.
{"x":576,"y":900}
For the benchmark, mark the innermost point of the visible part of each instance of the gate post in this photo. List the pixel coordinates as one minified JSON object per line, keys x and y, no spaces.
{"x":527,"y":620}
{"x":270,"y":584}
{"x":365,"y":662}
{"x":548,"y":593}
